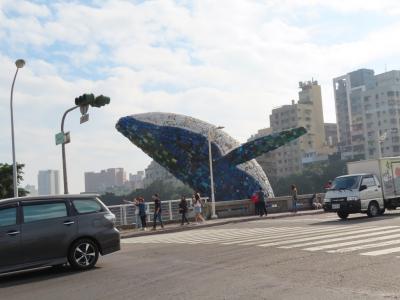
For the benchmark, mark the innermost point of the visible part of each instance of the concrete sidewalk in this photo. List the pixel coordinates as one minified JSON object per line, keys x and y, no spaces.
{"x":175,"y":227}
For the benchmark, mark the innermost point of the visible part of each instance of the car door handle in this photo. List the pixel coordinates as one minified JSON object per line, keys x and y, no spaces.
{"x":67,"y":223}
{"x":12,"y":233}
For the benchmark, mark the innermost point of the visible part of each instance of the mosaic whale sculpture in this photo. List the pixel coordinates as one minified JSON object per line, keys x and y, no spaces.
{"x":180,"y":144}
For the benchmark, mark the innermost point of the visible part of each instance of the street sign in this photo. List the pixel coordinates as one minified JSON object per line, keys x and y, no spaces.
{"x":59,"y":138}
{"x":84,"y":118}
{"x":62,"y":138}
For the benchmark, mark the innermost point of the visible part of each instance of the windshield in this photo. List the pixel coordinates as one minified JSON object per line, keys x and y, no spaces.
{"x":349,"y":182}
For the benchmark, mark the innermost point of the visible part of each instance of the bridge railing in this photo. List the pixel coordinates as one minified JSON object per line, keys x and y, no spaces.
{"x":125,"y":213}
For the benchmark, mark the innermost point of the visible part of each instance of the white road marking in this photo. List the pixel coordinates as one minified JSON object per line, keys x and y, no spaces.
{"x":322,"y":238}
{"x":381,"y":252}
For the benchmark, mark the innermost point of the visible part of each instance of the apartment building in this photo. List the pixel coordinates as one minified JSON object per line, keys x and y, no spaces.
{"x":370,"y":128}
{"x":307,"y":112}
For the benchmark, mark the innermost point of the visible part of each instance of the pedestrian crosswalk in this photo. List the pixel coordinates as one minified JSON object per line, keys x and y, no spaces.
{"x":362,"y":240}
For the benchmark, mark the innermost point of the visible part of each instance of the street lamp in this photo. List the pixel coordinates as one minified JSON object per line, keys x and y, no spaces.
{"x":381,"y":140}
{"x":213,"y":214}
{"x":20,"y":63}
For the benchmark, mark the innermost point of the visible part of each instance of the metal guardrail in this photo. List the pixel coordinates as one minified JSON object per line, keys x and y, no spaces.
{"x":125,"y":213}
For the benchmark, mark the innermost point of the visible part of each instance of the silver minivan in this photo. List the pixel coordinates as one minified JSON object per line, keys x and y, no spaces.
{"x":55,"y":230}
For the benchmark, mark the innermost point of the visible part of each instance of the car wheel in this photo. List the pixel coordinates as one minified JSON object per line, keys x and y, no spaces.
{"x":373,"y":210}
{"x":83,"y":254}
{"x":343,"y":215}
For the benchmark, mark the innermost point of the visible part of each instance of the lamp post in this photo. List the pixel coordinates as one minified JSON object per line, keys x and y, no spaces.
{"x":213,"y":214}
{"x":381,"y":140}
{"x":64,"y":161}
{"x":20,"y":63}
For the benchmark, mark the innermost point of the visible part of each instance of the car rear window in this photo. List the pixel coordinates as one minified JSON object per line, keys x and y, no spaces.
{"x":86,"y":206}
{"x":45,"y":211}
{"x":8,"y":216}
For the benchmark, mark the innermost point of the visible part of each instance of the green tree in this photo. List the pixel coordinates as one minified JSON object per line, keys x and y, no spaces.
{"x":6,"y":181}
{"x":311,"y":180}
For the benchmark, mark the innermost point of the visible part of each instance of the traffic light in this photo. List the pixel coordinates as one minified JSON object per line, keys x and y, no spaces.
{"x":85,"y":99}
{"x":100,"y":101}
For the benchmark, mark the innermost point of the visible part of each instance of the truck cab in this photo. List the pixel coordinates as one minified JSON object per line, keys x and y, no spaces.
{"x":356,"y":193}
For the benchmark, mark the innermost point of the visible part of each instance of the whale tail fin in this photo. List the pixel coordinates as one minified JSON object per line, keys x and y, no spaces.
{"x":262,"y":145}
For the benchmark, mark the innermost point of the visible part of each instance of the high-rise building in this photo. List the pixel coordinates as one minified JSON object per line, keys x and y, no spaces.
{"x":331,"y":135}
{"x":308,"y":113}
{"x":136,"y":180}
{"x":99,"y":182}
{"x":156,"y":172}
{"x":348,"y":90}
{"x":31,"y":189}
{"x":49,"y":182}
{"x":370,"y":127}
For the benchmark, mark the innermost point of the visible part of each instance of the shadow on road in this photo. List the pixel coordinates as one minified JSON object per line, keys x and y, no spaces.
{"x":30,"y":276}
{"x":358,"y":219}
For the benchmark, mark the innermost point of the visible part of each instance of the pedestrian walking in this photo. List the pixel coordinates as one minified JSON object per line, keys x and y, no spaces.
{"x":183,"y":209}
{"x":262,"y":206}
{"x":157,"y":212}
{"x":254,"y":199}
{"x":135,"y":203}
{"x":142,"y":212}
{"x":197,"y":204}
{"x":294,"y":197}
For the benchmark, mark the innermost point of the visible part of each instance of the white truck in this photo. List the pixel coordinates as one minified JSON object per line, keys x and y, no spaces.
{"x":371,"y":187}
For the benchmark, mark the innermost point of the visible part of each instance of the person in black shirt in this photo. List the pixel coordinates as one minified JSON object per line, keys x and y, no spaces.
{"x":157,"y":211}
{"x":183,"y":209}
{"x":261,"y":203}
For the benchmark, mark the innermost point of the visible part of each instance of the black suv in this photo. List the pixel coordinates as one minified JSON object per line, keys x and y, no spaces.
{"x":53,"y":230}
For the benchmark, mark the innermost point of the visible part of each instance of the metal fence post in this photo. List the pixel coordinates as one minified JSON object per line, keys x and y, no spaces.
{"x":170,"y":210}
{"x":124,"y":217}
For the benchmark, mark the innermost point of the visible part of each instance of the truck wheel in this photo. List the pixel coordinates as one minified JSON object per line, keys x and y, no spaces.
{"x":373,"y":209}
{"x":343,"y":215}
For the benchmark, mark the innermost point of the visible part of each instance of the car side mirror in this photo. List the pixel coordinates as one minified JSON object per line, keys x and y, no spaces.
{"x":363,"y":187}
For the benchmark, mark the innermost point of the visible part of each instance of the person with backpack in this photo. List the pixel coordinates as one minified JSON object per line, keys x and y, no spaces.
{"x":183,"y":209}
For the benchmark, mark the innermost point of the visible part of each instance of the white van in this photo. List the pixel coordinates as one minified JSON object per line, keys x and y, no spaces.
{"x":356,"y":193}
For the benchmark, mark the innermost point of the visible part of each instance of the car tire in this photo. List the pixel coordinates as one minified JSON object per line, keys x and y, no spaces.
{"x":83,"y":254}
{"x":343,"y":215}
{"x":373,"y":210}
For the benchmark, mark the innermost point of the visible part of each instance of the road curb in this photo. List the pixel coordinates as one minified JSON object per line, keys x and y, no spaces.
{"x":227,"y":221}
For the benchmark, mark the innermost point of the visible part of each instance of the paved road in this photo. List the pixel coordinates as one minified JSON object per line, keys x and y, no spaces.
{"x":310,"y":257}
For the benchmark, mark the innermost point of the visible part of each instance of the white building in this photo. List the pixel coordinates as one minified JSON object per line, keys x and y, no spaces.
{"x":370,"y":127}
{"x":49,"y":182}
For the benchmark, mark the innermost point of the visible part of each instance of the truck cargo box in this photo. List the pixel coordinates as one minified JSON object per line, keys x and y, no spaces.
{"x":387,"y":169}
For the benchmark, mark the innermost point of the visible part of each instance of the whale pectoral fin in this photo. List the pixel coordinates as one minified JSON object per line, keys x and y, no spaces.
{"x":262,"y":145}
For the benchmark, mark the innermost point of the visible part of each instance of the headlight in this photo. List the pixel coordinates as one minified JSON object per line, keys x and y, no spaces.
{"x":327,"y":200}
{"x":110,"y":217}
{"x":352,"y":198}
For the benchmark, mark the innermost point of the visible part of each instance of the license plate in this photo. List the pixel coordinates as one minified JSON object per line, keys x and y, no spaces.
{"x":336,"y":206}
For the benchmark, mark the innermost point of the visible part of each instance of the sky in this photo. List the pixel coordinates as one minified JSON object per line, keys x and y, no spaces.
{"x":227,"y":62}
